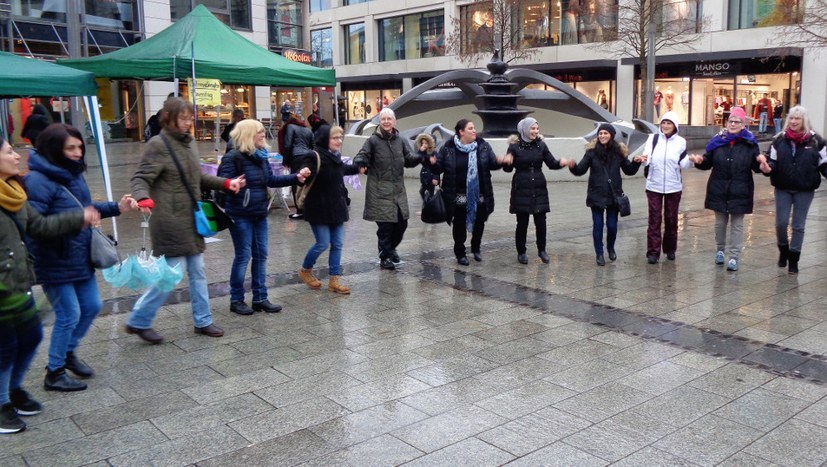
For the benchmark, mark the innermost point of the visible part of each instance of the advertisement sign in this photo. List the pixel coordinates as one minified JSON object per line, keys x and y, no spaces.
{"x":208,"y":92}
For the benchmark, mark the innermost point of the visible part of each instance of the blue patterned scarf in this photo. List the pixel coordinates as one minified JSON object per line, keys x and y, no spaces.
{"x":724,"y":138}
{"x":472,"y":183}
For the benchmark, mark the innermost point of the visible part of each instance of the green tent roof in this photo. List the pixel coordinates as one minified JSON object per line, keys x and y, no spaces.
{"x":21,"y":76}
{"x":220,"y":53}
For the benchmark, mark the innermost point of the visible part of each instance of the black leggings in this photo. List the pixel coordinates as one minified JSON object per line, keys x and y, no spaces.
{"x":522,"y":230}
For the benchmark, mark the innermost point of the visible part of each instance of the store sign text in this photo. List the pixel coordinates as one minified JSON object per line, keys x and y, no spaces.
{"x":297,"y":56}
{"x":713,"y":69}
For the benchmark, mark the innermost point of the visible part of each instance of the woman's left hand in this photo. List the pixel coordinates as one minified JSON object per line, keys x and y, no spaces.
{"x":640,"y":159}
{"x":303,"y":174}
{"x":363,"y":170}
{"x":127,"y":203}
{"x":237,"y":183}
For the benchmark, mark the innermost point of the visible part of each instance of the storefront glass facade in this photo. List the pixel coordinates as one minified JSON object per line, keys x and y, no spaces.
{"x":233,"y":13}
{"x":363,"y":102}
{"x":702,"y":93}
{"x":284,"y":23}
{"x":744,"y":14}
{"x":412,"y":36}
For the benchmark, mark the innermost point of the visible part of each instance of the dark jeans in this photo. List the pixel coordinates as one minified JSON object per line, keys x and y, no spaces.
{"x":17,"y":349}
{"x":460,"y":234}
{"x":597,"y":228}
{"x":663,"y":208}
{"x":390,"y":234}
{"x":250,"y":241}
{"x":522,"y":230}
{"x":797,"y":203}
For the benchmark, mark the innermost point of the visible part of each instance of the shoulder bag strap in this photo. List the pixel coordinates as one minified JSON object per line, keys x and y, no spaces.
{"x":318,"y":168}
{"x":180,"y":172}
{"x":611,"y":186}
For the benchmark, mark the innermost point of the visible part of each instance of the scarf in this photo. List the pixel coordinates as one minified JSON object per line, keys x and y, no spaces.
{"x":724,"y":138}
{"x":261,"y":155}
{"x":796,"y":138}
{"x":472,"y":183}
{"x":12,"y":195}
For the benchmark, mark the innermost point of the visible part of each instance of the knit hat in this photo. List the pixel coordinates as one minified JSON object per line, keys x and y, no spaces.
{"x":607,"y":127}
{"x":739,"y":113}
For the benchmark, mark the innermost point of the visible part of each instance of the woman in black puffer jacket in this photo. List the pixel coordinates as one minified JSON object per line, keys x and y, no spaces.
{"x":797,"y":158}
{"x":248,"y":209}
{"x":529,"y":193}
{"x":325,"y":206}
{"x":732,"y":155}
{"x":604,"y":159}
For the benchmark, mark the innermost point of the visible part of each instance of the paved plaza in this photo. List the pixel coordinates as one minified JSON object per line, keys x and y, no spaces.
{"x":436,"y":364}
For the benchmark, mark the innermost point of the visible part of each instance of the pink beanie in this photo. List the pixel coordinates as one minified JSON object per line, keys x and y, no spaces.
{"x":739,"y":113}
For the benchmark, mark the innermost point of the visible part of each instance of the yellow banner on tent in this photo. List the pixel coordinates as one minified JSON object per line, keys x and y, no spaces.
{"x":208,"y":91}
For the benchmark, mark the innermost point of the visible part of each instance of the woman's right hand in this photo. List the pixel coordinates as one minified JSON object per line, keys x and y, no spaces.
{"x":303,"y":174}
{"x":696,"y":158}
{"x":91,"y":216}
{"x":432,"y":160}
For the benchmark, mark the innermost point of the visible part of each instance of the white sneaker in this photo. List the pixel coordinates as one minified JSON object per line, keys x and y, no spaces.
{"x":732,"y":265}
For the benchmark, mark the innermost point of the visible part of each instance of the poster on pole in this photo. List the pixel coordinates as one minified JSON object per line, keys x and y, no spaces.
{"x":208,"y":92}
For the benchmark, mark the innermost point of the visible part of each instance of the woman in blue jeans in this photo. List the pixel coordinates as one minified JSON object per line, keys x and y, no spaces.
{"x":604,"y":159}
{"x":56,"y":184}
{"x":325,"y":207}
{"x":248,"y":209}
{"x":797,"y":160}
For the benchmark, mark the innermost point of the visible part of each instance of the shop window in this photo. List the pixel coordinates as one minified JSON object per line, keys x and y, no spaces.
{"x":355,"y":43}
{"x":233,"y":13}
{"x":362,"y":104}
{"x":476,"y":27}
{"x":744,"y":14}
{"x":412,"y":36}
{"x":110,"y":13}
{"x":681,"y":15}
{"x":319,"y":5}
{"x":536,"y":23}
{"x":321,"y":44}
{"x":284,"y":23}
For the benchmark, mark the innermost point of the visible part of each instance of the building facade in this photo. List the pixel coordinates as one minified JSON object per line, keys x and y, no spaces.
{"x":739,"y":53}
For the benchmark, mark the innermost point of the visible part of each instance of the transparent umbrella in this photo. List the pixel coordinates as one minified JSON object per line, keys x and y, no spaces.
{"x":143,"y":270}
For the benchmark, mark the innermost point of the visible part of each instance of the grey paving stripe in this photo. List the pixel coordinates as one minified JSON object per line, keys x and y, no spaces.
{"x":772,"y":358}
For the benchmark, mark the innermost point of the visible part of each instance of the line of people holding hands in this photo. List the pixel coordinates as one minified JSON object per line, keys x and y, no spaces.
{"x":56,"y":203}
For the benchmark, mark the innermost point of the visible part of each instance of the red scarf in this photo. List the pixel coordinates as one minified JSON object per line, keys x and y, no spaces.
{"x":797,"y":138}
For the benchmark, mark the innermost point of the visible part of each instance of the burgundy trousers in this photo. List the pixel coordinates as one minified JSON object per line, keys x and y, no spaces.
{"x":663,"y":209}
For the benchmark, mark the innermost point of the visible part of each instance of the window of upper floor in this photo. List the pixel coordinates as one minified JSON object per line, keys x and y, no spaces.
{"x":354,"y":2}
{"x":321,"y":45}
{"x":284,"y":23}
{"x":412,"y":36}
{"x":108,"y":14}
{"x":233,"y":13}
{"x":354,"y":43}
{"x":319,"y":5}
{"x":745,"y":14}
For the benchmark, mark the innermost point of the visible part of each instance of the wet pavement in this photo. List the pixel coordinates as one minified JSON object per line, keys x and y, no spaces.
{"x":567,"y":363}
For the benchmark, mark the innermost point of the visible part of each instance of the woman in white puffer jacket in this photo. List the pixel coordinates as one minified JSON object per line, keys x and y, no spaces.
{"x":666,"y":152}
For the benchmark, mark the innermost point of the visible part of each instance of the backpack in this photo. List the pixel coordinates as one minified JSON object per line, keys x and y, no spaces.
{"x":148,"y":129}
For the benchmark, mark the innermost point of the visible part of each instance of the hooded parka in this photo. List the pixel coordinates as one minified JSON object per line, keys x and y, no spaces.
{"x":172,"y":224}
{"x":730,"y":188}
{"x":598,"y":165}
{"x":796,"y":167}
{"x":386,"y":157}
{"x":529,"y":191}
{"x":666,"y":159}
{"x":326,"y":203}
{"x":446,"y":166}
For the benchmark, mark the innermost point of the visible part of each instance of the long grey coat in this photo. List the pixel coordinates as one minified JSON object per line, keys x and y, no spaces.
{"x":172,"y":224}
{"x":386,"y":158}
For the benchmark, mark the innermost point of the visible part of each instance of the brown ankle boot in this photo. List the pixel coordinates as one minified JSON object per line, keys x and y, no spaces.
{"x":306,"y":275}
{"x":335,"y":286}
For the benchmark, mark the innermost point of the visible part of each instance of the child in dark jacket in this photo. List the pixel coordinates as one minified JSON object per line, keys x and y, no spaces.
{"x":425,"y":148}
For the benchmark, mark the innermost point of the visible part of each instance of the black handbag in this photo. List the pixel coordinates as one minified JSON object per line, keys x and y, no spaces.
{"x":433,"y":210}
{"x":624,"y":207}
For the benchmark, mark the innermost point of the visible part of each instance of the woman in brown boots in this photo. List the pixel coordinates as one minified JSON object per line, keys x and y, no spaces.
{"x":325,"y":207}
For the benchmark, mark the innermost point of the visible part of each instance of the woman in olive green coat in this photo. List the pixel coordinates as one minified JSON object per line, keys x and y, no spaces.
{"x":385,"y":154}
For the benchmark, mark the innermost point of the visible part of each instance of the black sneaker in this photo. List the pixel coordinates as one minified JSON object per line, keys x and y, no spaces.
{"x":9,"y":420}
{"x":78,"y":366}
{"x":24,"y":404}
{"x":241,"y":308}
{"x":395,"y":257}
{"x":387,"y":263}
{"x":266,"y":306}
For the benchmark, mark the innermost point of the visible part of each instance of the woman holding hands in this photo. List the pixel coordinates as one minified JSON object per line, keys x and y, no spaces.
{"x":527,"y":152}
{"x":604,"y":159}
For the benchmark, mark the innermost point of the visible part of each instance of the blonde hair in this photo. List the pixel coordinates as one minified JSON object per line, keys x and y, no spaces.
{"x":244,"y":135}
{"x":336,"y":130}
{"x":798,"y":111}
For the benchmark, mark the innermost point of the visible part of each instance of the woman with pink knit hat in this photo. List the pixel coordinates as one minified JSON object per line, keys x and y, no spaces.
{"x":732,"y":155}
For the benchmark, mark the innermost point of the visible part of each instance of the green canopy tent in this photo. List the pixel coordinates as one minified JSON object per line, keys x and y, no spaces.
{"x":24,"y":77}
{"x":200,"y":44}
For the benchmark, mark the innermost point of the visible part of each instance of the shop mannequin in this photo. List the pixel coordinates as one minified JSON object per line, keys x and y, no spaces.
{"x":657,"y":101}
{"x":669,"y":99}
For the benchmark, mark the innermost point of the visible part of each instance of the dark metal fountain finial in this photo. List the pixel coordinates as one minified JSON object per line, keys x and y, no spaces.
{"x":497,"y":67}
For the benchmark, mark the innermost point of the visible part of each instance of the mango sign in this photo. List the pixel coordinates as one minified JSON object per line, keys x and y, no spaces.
{"x":208,"y":91}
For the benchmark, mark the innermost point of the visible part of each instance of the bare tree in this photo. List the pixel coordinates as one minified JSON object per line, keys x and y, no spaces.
{"x":798,"y":29}
{"x":498,"y":28}
{"x":644,"y":27}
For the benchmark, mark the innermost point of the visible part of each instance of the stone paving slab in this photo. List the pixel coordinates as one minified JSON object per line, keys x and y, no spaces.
{"x":678,"y":363}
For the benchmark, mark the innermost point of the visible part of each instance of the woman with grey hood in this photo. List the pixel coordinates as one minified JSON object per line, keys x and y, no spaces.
{"x":529,"y":193}
{"x":426,"y":146}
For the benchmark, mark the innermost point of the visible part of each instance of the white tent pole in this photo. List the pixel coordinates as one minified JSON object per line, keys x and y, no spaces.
{"x":94,"y":117}
{"x":4,"y":119}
